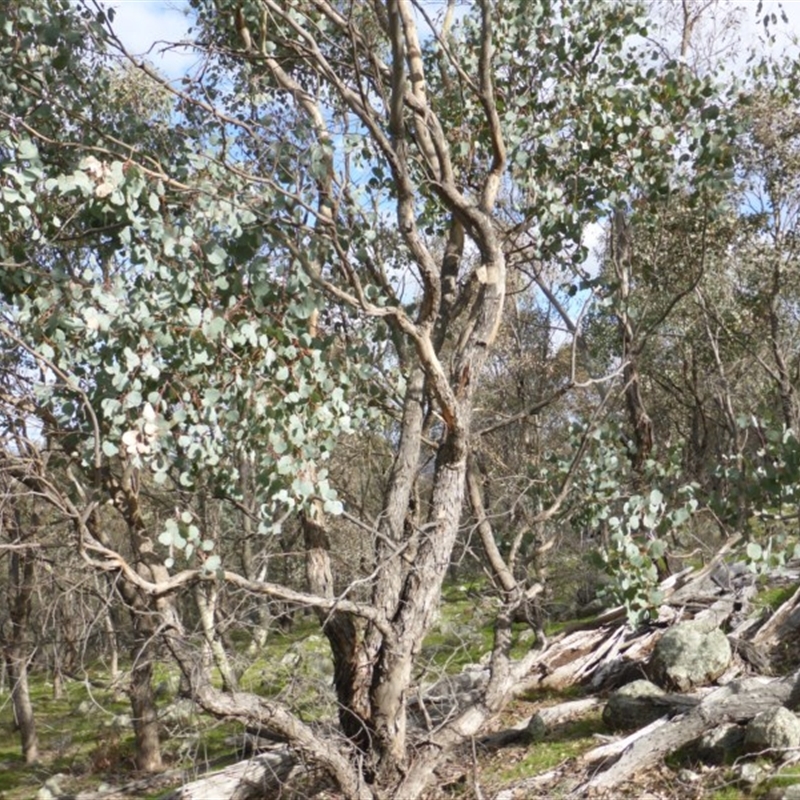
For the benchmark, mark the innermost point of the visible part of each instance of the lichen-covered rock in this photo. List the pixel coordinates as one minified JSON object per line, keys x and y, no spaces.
{"x":722,"y":745}
{"x":751,"y":774}
{"x":182,"y":712}
{"x":688,"y":656}
{"x":775,"y":729}
{"x":52,"y":788}
{"x":84,"y":708}
{"x":625,"y":709}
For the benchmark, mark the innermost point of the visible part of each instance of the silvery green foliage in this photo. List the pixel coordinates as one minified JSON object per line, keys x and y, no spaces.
{"x":764,"y":481}
{"x":636,"y":524}
{"x":158,"y":247}
{"x":595,"y":118}
{"x":167,"y":327}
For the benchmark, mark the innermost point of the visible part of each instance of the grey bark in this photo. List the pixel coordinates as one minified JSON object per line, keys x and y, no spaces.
{"x":253,"y":779}
{"x":736,"y":702}
{"x":21,"y":576}
{"x":146,"y":613}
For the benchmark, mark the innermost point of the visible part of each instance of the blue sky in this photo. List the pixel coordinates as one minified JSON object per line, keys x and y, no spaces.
{"x":146,"y":26}
{"x":143,"y":22}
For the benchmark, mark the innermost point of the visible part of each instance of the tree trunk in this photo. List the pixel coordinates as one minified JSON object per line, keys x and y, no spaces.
{"x":640,"y":421}
{"x":143,"y":706}
{"x":786,"y":390}
{"x":344,"y":634}
{"x":113,"y":649}
{"x":145,"y":614}
{"x":206,"y":599}
{"x":21,"y":575}
{"x":23,"y":707}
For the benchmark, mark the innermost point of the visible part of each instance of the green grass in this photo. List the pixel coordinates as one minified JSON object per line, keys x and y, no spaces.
{"x":727,"y":793}
{"x":558,"y":745}
{"x":464,"y":632}
{"x":789,"y":776}
{"x":69,"y":742}
{"x":775,"y":597}
{"x":86,"y":748}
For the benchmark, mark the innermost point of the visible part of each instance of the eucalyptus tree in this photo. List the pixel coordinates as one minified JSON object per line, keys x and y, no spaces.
{"x":206,"y":289}
{"x":768,"y":242}
{"x":121,"y":339}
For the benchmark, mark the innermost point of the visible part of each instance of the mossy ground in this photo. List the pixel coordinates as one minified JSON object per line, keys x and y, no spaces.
{"x":773,"y":597}
{"x":86,"y":747}
{"x":89,"y":750}
{"x":78,"y":739}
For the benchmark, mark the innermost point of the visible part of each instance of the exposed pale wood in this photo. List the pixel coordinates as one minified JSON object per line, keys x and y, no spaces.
{"x":784,"y":620}
{"x":547,"y":718}
{"x":614,"y":749}
{"x":253,"y":779}
{"x":135,"y":789}
{"x":738,"y":701}
{"x":596,"y":655}
{"x":564,"y":712}
{"x":583,"y":663}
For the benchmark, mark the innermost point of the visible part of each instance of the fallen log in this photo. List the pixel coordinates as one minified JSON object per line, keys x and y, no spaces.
{"x":738,"y":701}
{"x":610,"y":751}
{"x":544,"y":720}
{"x":253,"y":779}
{"x":601,"y":653}
{"x":785,"y":621}
{"x":137,"y":788}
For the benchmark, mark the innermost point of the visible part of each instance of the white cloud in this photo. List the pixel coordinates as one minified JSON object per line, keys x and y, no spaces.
{"x":786,"y":33}
{"x":151,"y":28}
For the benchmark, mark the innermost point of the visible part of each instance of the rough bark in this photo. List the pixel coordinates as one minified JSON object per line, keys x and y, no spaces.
{"x":781,"y":374}
{"x":640,"y":422}
{"x":146,"y":615}
{"x":143,"y":708}
{"x":373,"y":678}
{"x":335,"y":757}
{"x":343,"y":632}
{"x":455,"y":708}
{"x":18,"y":646}
{"x":17,"y":661}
